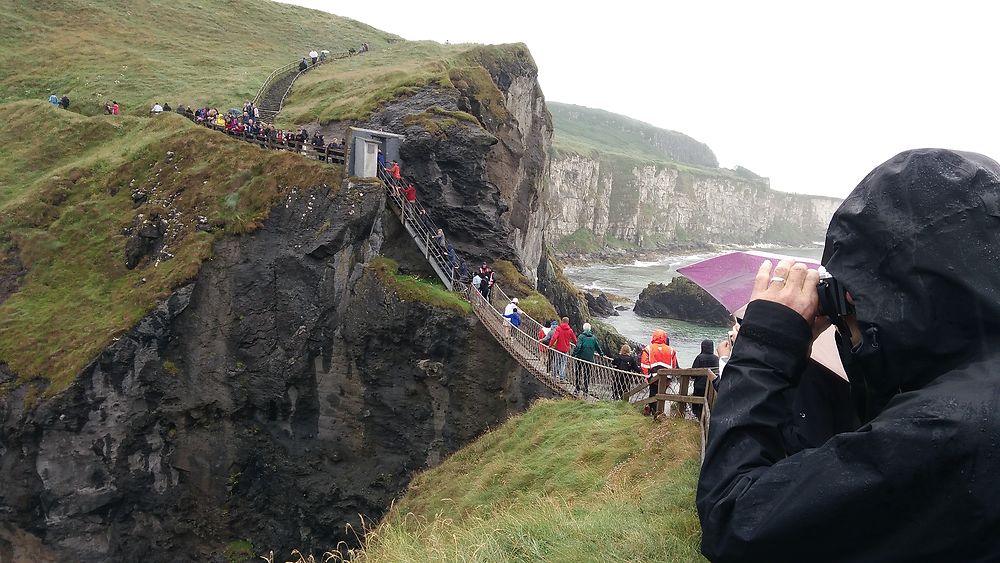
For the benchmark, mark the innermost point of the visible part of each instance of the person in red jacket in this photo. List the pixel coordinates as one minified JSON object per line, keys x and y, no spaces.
{"x":562,"y":338}
{"x":394,"y":171}
{"x":410,"y":193}
{"x":656,"y":356}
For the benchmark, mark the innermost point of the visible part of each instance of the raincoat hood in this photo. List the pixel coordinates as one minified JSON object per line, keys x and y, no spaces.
{"x":659,"y":337}
{"x":917,"y":244}
{"x":707,"y":347}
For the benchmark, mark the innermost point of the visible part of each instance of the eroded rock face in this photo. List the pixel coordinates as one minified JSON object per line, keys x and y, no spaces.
{"x":681,"y":299}
{"x":483,"y":179}
{"x":652,"y":207}
{"x":600,"y":305}
{"x":277,"y":397}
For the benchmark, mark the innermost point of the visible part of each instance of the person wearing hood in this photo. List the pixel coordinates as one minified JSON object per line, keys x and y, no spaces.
{"x":560,"y":340}
{"x":587,"y":347}
{"x":911,"y":284}
{"x":545,"y":335}
{"x":624,"y":362}
{"x":707,"y":359}
{"x":658,"y":355}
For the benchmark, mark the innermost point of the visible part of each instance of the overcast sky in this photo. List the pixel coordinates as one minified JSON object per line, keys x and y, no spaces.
{"x":812,"y":95}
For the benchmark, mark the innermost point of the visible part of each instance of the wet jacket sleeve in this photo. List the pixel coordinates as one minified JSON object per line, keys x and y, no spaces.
{"x":880,"y":493}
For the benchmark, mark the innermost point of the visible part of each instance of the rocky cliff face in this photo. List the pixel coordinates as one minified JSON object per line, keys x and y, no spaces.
{"x":477,"y":149}
{"x":631,"y":203}
{"x":278,"y":396}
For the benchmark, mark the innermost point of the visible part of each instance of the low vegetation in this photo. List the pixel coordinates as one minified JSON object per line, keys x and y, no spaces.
{"x":352,"y":89}
{"x":565,"y":481}
{"x":515,"y":284}
{"x":413,"y":288}
{"x":75,"y":186}
{"x":197,"y":52}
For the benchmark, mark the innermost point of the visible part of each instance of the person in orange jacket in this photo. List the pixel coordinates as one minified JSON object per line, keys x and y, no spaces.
{"x":657,"y":355}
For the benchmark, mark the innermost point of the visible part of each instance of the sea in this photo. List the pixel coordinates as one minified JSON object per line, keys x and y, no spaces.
{"x":628,"y":280}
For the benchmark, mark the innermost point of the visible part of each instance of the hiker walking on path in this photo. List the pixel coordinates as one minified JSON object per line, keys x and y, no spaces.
{"x":587,"y":347}
{"x":562,"y":339}
{"x":911,"y":285}
{"x":657,"y":355}
{"x":624,"y":361}
{"x":707,"y":359}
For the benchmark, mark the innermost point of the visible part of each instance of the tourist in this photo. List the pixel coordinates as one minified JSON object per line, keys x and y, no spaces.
{"x":561,"y":340}
{"x":64,"y":102}
{"x":477,"y":280}
{"x":913,"y":292}
{"x":440,"y":241}
{"x":54,"y":100}
{"x":303,"y":65}
{"x":587,"y":347}
{"x":657,"y":355}
{"x":624,"y":361}
{"x":107,"y":108}
{"x":115,"y":108}
{"x":410,"y":193}
{"x":511,"y":315}
{"x":394,"y":172}
{"x":314,"y":56}
{"x":156,"y":109}
{"x":487,"y":284}
{"x":166,"y":107}
{"x":706,"y":359}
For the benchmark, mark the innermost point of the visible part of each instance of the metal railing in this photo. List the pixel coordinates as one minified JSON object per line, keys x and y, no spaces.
{"x":280,"y":71}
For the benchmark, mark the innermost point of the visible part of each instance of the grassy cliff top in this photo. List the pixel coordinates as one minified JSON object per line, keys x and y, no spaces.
{"x":354,"y":88}
{"x":66,"y":201}
{"x":566,"y":481}
{"x":586,"y":130}
{"x":138,"y":52}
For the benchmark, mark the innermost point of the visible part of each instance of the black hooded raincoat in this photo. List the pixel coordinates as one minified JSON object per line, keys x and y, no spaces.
{"x":917,"y":244}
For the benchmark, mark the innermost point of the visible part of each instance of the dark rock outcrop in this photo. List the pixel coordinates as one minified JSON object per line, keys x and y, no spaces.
{"x":274,"y":399}
{"x":600,"y":305}
{"x":478,"y":153}
{"x":682,"y":300}
{"x":145,"y":239}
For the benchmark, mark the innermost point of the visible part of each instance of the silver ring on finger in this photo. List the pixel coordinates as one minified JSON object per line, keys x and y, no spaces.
{"x":778,"y":279}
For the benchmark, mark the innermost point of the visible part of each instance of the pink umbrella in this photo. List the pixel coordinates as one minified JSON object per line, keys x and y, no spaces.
{"x":729,"y":279}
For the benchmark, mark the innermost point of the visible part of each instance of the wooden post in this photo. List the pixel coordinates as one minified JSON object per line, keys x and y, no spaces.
{"x":683,"y":391}
{"x":661,"y":389}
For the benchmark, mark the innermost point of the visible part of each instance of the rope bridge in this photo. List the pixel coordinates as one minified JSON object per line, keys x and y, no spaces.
{"x":562,"y":373}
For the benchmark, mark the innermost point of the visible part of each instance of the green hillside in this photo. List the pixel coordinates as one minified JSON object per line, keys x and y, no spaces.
{"x":354,"y":88}
{"x":586,"y":130}
{"x":566,"y":481}
{"x":138,"y":52}
{"x":66,"y":199}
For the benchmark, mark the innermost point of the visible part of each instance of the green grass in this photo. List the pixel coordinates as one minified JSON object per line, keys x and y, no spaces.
{"x":413,"y":288}
{"x":65,"y":199}
{"x":354,"y":88}
{"x":565,"y":481}
{"x":515,"y":284}
{"x":138,"y":52}
{"x":586,"y":129}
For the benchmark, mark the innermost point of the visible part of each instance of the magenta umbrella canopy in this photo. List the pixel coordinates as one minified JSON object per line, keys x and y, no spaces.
{"x":729,"y":278}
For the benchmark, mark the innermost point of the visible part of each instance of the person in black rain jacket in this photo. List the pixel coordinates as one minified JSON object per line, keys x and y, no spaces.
{"x":915,"y":247}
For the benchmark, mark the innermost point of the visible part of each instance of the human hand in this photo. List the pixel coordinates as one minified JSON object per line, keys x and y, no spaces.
{"x":790,"y":284}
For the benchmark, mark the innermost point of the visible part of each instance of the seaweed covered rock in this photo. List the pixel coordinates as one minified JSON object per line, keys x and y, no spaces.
{"x":681,"y":300}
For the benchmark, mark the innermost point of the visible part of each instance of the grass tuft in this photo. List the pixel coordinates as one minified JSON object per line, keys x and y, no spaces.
{"x":413,"y":288}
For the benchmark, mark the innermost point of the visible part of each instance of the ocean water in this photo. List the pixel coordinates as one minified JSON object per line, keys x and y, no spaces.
{"x":628,"y":280}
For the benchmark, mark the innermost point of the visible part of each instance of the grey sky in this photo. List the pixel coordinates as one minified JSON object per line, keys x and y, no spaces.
{"x":813,"y":95}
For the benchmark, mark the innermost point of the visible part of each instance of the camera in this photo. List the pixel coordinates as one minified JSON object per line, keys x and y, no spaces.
{"x":833,"y":301}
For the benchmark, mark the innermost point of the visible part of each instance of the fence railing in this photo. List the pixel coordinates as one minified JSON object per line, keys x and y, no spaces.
{"x":280,"y":71}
